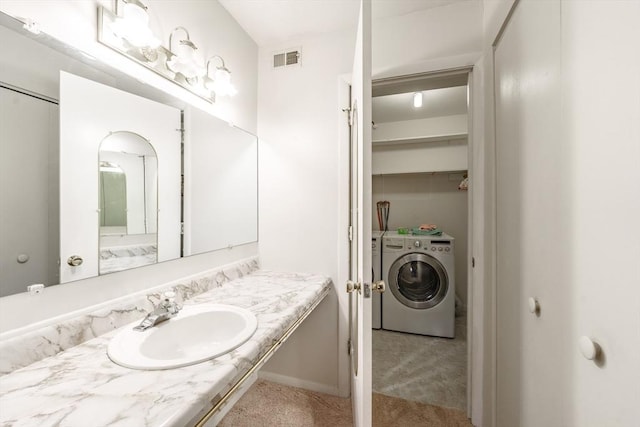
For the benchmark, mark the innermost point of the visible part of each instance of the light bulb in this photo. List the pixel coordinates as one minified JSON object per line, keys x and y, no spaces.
{"x":134,"y":27}
{"x":417,"y":99}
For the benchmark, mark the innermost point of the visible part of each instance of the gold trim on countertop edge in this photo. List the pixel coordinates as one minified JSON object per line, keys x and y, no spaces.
{"x":260,"y":362}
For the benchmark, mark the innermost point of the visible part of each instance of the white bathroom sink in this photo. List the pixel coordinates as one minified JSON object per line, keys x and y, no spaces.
{"x":197,"y":333}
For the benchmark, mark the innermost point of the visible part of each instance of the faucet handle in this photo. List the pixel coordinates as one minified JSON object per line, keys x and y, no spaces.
{"x":169,"y":302}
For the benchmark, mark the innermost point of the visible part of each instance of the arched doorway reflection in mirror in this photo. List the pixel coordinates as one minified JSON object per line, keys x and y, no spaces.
{"x":128,"y":202}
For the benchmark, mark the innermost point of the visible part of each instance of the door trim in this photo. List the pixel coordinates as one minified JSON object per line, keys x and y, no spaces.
{"x":477,"y":402}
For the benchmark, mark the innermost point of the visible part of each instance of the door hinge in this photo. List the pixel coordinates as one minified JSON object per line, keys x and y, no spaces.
{"x":351,"y":233}
{"x":349,"y":348}
{"x":182,"y":228}
{"x":348,"y":111}
{"x":473,"y":262}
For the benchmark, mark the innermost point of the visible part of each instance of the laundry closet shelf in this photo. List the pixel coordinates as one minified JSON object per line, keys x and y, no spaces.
{"x":419,"y":139}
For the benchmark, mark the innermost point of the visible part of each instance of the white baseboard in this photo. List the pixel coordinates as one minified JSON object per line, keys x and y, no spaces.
{"x":296,"y":382}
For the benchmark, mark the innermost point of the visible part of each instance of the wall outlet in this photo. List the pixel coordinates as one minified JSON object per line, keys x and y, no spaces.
{"x":35,"y":289}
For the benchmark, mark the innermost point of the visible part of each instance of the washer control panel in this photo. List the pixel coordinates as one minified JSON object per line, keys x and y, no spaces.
{"x":431,"y":245}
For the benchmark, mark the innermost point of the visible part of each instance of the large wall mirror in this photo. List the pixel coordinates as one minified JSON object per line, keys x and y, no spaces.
{"x":84,"y":180}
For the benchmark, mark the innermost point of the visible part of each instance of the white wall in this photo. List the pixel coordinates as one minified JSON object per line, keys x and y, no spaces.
{"x":300,"y":162}
{"x":429,"y":40}
{"x":424,"y":198}
{"x":76,"y":24}
{"x":303,"y":208}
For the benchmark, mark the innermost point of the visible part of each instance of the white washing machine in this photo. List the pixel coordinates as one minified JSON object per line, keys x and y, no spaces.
{"x":419,"y":273}
{"x":376,"y":274}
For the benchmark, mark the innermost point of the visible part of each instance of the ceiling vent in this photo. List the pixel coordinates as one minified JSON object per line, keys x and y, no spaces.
{"x":286,"y":58}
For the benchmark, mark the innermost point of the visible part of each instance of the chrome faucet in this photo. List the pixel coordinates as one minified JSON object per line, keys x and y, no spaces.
{"x":165,"y":311}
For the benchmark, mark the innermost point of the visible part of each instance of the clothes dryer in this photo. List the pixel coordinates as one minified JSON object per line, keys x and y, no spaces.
{"x":419,"y":273}
{"x":376,"y":274}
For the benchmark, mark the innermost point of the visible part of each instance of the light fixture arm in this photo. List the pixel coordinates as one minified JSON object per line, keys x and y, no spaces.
{"x":187,"y":42}
{"x":136,"y":2}
{"x":221,"y":60}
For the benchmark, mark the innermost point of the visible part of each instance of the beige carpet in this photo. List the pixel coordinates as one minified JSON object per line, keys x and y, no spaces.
{"x":420,"y":368}
{"x":268,"y":404}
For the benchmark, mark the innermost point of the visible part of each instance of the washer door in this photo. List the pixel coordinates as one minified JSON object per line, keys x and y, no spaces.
{"x":418,"y":281}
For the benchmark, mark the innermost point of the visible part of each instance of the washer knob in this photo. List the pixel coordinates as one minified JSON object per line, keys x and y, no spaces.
{"x":416,"y":243}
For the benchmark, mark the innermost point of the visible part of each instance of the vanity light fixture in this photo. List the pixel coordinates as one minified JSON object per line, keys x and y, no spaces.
{"x":184,"y":59}
{"x":220,"y":82}
{"x":417,"y":99}
{"x":110,"y":167}
{"x":127,"y":32}
{"x":133,"y":25}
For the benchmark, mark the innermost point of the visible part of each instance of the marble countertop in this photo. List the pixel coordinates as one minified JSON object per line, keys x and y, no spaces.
{"x":81,"y":386}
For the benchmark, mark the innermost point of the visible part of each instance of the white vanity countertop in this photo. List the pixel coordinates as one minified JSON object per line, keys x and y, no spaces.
{"x":82,"y":387}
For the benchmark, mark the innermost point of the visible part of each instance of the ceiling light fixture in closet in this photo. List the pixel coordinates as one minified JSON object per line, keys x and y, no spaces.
{"x":417,"y":99}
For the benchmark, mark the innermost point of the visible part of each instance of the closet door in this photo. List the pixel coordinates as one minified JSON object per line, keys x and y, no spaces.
{"x":601,"y":61}
{"x":29,"y":222}
{"x":533,"y":172}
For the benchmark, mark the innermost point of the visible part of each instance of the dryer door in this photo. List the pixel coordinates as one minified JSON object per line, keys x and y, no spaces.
{"x":418,"y":281}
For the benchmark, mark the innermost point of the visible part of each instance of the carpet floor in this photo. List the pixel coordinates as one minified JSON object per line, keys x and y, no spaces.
{"x":268,"y":404}
{"x":420,"y":368}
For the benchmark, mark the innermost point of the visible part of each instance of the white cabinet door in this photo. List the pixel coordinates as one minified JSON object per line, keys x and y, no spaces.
{"x":534,"y":200}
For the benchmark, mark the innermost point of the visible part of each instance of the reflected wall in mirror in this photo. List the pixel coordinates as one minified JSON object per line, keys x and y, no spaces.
{"x":128,"y":202}
{"x":221,"y":184}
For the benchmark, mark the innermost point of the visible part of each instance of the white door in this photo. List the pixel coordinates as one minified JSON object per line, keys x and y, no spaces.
{"x":567,"y":86}
{"x":533,"y":198}
{"x":89,"y":111}
{"x":360,"y":179}
{"x":29,"y":192}
{"x":601,"y":61}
